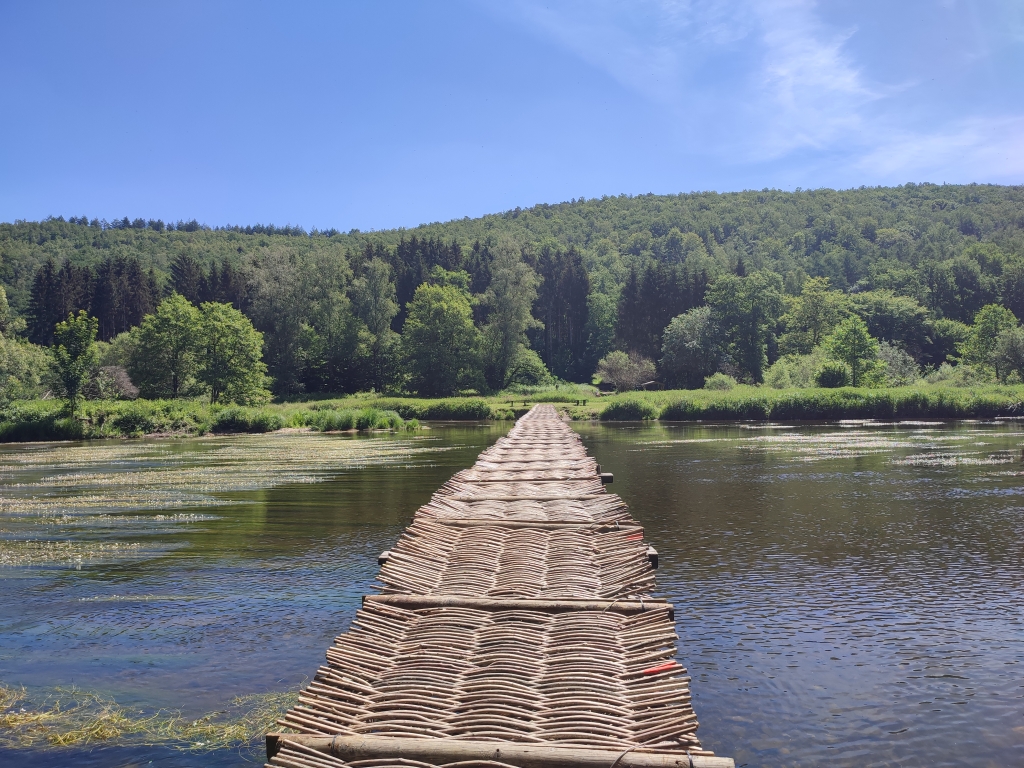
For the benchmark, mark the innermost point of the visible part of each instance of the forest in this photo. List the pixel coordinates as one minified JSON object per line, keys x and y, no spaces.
{"x":868,"y":287}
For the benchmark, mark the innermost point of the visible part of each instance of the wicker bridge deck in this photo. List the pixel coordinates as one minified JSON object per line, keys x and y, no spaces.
{"x":515,"y":627}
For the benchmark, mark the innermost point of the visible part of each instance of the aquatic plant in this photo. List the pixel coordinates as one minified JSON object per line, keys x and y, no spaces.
{"x":240,"y":419}
{"x":63,"y":717}
{"x":632,"y":409}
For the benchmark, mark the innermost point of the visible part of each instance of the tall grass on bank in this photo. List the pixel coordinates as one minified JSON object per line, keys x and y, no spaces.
{"x":326,"y":419}
{"x":41,"y":420}
{"x":748,"y":403}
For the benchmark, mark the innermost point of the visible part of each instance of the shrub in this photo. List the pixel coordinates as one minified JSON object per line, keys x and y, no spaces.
{"x":33,"y":424}
{"x":719,"y":381}
{"x":332,"y":421}
{"x":632,"y":409}
{"x":454,"y":408}
{"x":959,"y":375}
{"x":625,"y":372}
{"x":832,"y":374}
{"x":246,"y":420}
{"x":133,"y":419}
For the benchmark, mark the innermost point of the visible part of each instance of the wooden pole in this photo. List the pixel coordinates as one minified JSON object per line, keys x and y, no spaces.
{"x":414,"y":602}
{"x":472,"y":522}
{"x":442,"y":751}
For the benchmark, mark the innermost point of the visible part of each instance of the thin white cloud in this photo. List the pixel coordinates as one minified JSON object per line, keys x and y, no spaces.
{"x":981,"y":149}
{"x":752,"y":81}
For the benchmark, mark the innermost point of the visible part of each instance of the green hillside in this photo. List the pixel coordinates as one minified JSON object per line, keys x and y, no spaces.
{"x":612,"y":273}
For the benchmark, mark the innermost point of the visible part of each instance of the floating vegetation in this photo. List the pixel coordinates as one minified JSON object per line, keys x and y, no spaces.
{"x":74,"y":489}
{"x":952,"y":460}
{"x":69,"y":716}
{"x":21,"y":553}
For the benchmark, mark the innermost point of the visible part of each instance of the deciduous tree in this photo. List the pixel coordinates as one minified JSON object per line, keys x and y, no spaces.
{"x":850,"y":343}
{"x":74,"y":355}
{"x":231,"y":356}
{"x":440,"y":342}
{"x":163,"y":361}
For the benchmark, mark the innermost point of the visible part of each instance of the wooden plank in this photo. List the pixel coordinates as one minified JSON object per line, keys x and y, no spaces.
{"x":443,"y":751}
{"x":417,"y":602}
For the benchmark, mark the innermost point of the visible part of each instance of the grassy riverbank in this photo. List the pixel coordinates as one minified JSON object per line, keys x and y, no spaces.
{"x":45,"y":420}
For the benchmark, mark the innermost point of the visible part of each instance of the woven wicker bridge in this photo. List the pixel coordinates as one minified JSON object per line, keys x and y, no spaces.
{"x":515,"y":629}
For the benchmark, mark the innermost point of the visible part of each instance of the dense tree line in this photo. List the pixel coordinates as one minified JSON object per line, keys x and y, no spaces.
{"x":917,"y":264}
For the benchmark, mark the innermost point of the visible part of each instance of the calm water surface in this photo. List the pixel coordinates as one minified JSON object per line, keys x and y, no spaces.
{"x":845,"y":595}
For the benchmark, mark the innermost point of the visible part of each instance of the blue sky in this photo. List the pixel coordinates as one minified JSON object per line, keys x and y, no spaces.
{"x":377,"y":115}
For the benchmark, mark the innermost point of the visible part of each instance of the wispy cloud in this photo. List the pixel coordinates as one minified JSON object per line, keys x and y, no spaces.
{"x":769,"y":78}
{"x":990,"y":148}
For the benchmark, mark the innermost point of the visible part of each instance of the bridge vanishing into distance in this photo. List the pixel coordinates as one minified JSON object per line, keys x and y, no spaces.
{"x":515,"y":629}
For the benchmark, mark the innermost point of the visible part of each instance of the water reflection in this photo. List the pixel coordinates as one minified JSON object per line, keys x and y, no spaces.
{"x":843,"y":595}
{"x":179,"y":574}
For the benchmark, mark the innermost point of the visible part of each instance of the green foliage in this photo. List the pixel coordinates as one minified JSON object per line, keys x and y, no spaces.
{"x":747,"y":403}
{"x":38,"y":421}
{"x":1008,"y":353}
{"x":23,"y":368}
{"x":899,"y":320}
{"x":850,"y":343}
{"x":625,"y":372}
{"x":794,"y":371}
{"x":719,"y":382}
{"x":362,"y":419}
{"x":74,"y":355}
{"x":812,"y":315}
{"x":747,"y":310}
{"x":832,"y":374}
{"x":332,"y":421}
{"x":978,"y":349}
{"x":509,"y":300}
{"x":231,"y":356}
{"x":901,"y":370}
{"x":441,"y":343}
{"x":164,"y":360}
{"x":691,"y":348}
{"x":912,"y":261}
{"x":528,"y":369}
{"x":630,"y":410}
{"x":376,"y":305}
{"x":240,"y":419}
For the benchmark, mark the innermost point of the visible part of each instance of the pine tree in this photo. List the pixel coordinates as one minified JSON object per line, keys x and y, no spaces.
{"x":187,"y":277}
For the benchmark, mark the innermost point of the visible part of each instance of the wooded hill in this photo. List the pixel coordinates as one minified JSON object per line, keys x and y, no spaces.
{"x":614,"y":271}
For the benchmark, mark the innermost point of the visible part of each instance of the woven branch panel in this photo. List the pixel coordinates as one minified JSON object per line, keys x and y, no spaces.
{"x":432,"y":558}
{"x":581,"y":677}
{"x":530,"y":521}
{"x":569,"y":489}
{"x":603,"y":509}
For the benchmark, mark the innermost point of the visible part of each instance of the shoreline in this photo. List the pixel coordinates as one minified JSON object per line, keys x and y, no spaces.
{"x":44,"y":421}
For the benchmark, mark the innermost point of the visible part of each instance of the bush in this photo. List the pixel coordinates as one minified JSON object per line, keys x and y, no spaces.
{"x":323,"y":420}
{"x":632,"y":409}
{"x":901,"y":369}
{"x":133,"y":419}
{"x":832,"y":374}
{"x":246,"y":420}
{"x":720,"y":382}
{"x":625,"y":372}
{"x":958,"y":375}
{"x":35,"y":424}
{"x":372,"y":418}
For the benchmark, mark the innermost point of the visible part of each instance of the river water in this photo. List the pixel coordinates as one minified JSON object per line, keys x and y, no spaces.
{"x":845,"y":594}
